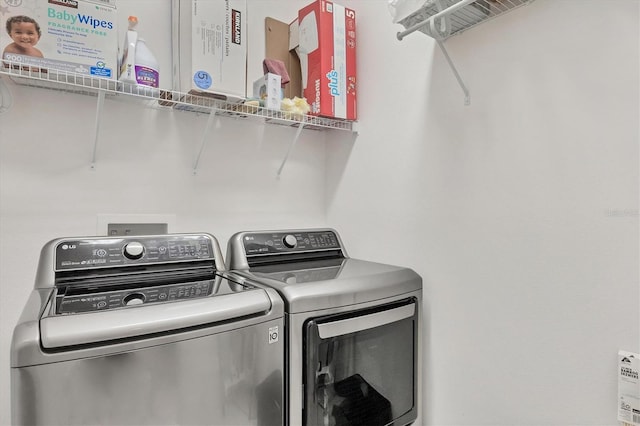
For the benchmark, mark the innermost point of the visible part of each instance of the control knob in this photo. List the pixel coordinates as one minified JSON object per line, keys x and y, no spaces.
{"x":133,"y":250}
{"x":133,"y":299}
{"x":290,"y":241}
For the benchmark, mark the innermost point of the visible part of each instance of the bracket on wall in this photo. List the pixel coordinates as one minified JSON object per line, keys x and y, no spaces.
{"x":100,"y":104}
{"x":441,"y":19}
{"x":209,"y":125}
{"x":203,"y":139}
{"x":467,"y":97}
{"x":291,"y":145}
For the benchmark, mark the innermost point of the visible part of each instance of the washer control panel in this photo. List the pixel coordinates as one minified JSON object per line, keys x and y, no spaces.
{"x":100,"y":252}
{"x":261,"y":243}
{"x":90,"y":302}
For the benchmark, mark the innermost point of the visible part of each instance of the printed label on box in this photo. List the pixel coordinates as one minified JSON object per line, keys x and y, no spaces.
{"x":210,"y":47}
{"x":628,"y":388}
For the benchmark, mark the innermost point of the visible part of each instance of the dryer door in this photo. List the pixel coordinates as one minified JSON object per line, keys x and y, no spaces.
{"x":361,"y":367}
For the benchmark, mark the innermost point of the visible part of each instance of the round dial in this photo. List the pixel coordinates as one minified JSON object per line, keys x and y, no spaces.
{"x":133,"y":299}
{"x":290,"y":241}
{"x":133,"y":250}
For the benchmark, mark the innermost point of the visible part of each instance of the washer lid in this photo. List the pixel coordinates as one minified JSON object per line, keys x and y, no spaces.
{"x":307,"y":286}
{"x":57,"y":331}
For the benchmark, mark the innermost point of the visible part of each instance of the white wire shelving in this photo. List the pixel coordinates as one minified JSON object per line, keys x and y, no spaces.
{"x":151,"y":97}
{"x":441,"y":19}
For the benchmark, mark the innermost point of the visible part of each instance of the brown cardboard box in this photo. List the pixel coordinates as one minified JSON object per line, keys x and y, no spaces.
{"x":277,"y":35}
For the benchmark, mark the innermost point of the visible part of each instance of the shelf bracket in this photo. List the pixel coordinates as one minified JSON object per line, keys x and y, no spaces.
{"x":96,"y":134}
{"x":207,"y":129}
{"x":293,"y":143}
{"x":467,"y":98}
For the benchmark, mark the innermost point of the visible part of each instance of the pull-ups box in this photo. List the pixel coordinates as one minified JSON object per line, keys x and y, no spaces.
{"x":327,"y":52}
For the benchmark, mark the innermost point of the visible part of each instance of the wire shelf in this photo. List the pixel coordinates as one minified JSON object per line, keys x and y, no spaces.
{"x":442,"y":19}
{"x":152,"y":97}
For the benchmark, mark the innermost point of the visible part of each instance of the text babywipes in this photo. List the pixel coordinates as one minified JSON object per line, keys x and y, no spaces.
{"x":83,"y":19}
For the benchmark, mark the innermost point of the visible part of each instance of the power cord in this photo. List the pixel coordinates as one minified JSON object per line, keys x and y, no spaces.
{"x":6,"y":98}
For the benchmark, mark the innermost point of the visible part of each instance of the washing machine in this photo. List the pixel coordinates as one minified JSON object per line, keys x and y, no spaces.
{"x":144,"y":330}
{"x":352,"y":327}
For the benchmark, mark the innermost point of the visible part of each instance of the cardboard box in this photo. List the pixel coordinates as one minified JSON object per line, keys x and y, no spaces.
{"x":277,"y":36}
{"x":268,"y":88}
{"x":75,"y":36}
{"x":327,"y":52}
{"x":210,"y":48}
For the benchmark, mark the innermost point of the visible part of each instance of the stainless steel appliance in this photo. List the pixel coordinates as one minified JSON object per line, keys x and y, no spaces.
{"x":145,"y":331}
{"x":353,"y":327}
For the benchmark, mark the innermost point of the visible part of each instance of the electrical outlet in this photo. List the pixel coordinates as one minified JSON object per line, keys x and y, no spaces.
{"x":135,"y":224}
{"x":119,"y":229}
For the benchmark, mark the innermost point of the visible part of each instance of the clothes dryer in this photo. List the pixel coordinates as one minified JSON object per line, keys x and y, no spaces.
{"x":353,"y":327}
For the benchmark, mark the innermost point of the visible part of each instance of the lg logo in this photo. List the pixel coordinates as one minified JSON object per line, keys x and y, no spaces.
{"x":273,"y":334}
{"x":68,"y":246}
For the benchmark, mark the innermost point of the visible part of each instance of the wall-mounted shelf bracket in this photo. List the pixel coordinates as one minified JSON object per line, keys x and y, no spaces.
{"x":207,"y":129}
{"x":96,"y":134}
{"x":293,"y":143}
{"x":467,"y":97}
{"x":441,"y":19}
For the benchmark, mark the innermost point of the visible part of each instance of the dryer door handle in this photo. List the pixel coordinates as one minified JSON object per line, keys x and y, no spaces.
{"x":365,"y":322}
{"x":79,"y":329}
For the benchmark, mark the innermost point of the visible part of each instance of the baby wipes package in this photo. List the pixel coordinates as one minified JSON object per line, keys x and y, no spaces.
{"x":74,"y":36}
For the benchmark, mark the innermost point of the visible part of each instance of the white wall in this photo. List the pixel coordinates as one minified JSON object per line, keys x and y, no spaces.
{"x":520,"y":211}
{"x":144,"y":166}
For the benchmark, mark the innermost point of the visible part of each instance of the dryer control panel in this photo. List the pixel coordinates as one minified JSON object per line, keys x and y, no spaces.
{"x":261,"y":243}
{"x":89,"y":253}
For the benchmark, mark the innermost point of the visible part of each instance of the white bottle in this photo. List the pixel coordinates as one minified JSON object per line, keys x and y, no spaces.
{"x":139,"y":68}
{"x":127,"y":62}
{"x":146,"y":66}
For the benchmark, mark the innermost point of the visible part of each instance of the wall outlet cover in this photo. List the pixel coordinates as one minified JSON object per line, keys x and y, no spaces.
{"x":137,"y":224}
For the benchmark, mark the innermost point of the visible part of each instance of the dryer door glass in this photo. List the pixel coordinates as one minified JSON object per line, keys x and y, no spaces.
{"x":361,"y":367}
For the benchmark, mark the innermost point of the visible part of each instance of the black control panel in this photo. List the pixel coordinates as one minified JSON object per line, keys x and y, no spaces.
{"x":89,"y":302}
{"x":289,"y":242}
{"x":105,"y":252}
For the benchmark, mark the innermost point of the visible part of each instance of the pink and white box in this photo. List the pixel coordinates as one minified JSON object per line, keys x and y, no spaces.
{"x":327,"y":51}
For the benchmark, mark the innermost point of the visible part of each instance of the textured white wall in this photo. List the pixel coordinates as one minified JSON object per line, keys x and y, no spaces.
{"x":520,"y":211}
